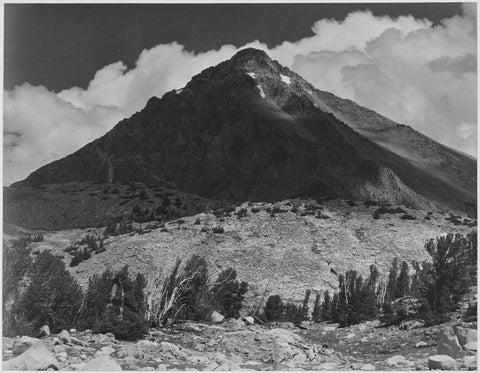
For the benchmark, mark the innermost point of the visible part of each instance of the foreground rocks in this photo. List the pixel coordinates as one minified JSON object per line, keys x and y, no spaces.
{"x":237,"y":344}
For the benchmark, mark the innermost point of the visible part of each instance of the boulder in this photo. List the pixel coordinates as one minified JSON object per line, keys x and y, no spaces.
{"x":65,"y":336}
{"x":326,"y":366}
{"x":447,"y":343}
{"x":421,"y":344}
{"x":105,"y":350}
{"x":44,"y":331}
{"x":233,"y":324}
{"x":77,"y":341}
{"x":73,"y":331}
{"x":170,"y":348}
{"x":102,"y":363}
{"x":249,"y":320}
{"x":22,"y":344}
{"x":470,"y":362}
{"x":146,"y":344}
{"x":396,"y":360}
{"x":36,"y":357}
{"x":368,"y":367}
{"x":216,"y":317}
{"x":466,"y":336}
{"x":228,"y":366}
{"x":443,"y":362}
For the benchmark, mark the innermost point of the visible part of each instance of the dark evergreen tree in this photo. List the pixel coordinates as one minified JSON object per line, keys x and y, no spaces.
{"x":228,"y":293}
{"x":392,"y":281}
{"x":274,"y":308}
{"x":403,"y":282}
{"x":327,"y":306}
{"x":317,"y":309}
{"x":52,"y":297}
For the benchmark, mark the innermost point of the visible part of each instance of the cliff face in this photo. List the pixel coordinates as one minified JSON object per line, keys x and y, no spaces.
{"x":250,"y":129}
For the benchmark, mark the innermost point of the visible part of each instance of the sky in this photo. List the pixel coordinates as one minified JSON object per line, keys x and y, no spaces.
{"x":71,"y":72}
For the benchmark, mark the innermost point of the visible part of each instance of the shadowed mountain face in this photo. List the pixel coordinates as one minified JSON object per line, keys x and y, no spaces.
{"x":250,"y":129}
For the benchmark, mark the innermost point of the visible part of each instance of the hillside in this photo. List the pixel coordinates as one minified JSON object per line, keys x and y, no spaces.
{"x":251,"y":129}
{"x":284,"y":248}
{"x":80,"y":204}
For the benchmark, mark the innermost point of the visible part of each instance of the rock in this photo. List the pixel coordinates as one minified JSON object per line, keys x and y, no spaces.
{"x":421,"y":344}
{"x":216,"y":317}
{"x":44,"y":331}
{"x":443,"y":362}
{"x":106,"y":350}
{"x":102,"y":363}
{"x":65,"y":336}
{"x":472,"y":346}
{"x":72,"y":331}
{"x":228,"y":366}
{"x":470,"y":362}
{"x":326,"y":366}
{"x":22,"y":344}
{"x":329,"y":328}
{"x":447,"y":343}
{"x":36,"y":357}
{"x":351,"y":335}
{"x":396,"y":360}
{"x":77,"y":341}
{"x":368,"y":367}
{"x":170,"y":348}
{"x":356,"y":366}
{"x":249,"y":320}
{"x":56,"y":340}
{"x":466,"y":336}
{"x":146,"y":344}
{"x":233,"y":324}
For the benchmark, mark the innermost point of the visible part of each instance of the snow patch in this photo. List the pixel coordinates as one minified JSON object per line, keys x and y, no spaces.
{"x":178,"y":91}
{"x":261,"y":91}
{"x":285,"y":79}
{"x":252,"y":75}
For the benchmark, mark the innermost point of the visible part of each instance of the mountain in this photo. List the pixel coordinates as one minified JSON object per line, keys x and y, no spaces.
{"x":251,"y":129}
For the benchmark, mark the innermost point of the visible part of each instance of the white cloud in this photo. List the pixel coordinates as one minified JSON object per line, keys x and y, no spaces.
{"x":404,"y":68}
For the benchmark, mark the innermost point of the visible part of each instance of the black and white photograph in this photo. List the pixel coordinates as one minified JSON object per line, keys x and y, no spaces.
{"x":220,"y":186}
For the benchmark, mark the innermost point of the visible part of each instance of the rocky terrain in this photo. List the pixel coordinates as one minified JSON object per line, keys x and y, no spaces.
{"x":243,"y":345}
{"x":278,"y":248}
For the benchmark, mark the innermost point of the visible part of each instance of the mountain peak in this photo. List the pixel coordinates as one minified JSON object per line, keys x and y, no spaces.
{"x":250,"y":53}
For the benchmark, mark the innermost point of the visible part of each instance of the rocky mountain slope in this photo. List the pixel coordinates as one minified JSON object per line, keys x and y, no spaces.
{"x":282,"y":248}
{"x":250,"y":129}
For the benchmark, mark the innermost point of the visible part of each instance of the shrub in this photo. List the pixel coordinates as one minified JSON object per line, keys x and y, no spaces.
{"x":255,"y":209}
{"x":241,"y":213}
{"x":218,"y":230}
{"x":407,"y":217}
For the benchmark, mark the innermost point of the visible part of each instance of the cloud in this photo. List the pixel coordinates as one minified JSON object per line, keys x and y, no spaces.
{"x":405,"y":68}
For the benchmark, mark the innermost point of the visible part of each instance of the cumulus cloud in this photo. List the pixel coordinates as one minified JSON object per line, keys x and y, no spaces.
{"x":405,"y":68}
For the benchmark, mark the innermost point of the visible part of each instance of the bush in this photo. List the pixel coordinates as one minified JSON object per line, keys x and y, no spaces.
{"x":218,"y":230}
{"x":407,"y":217}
